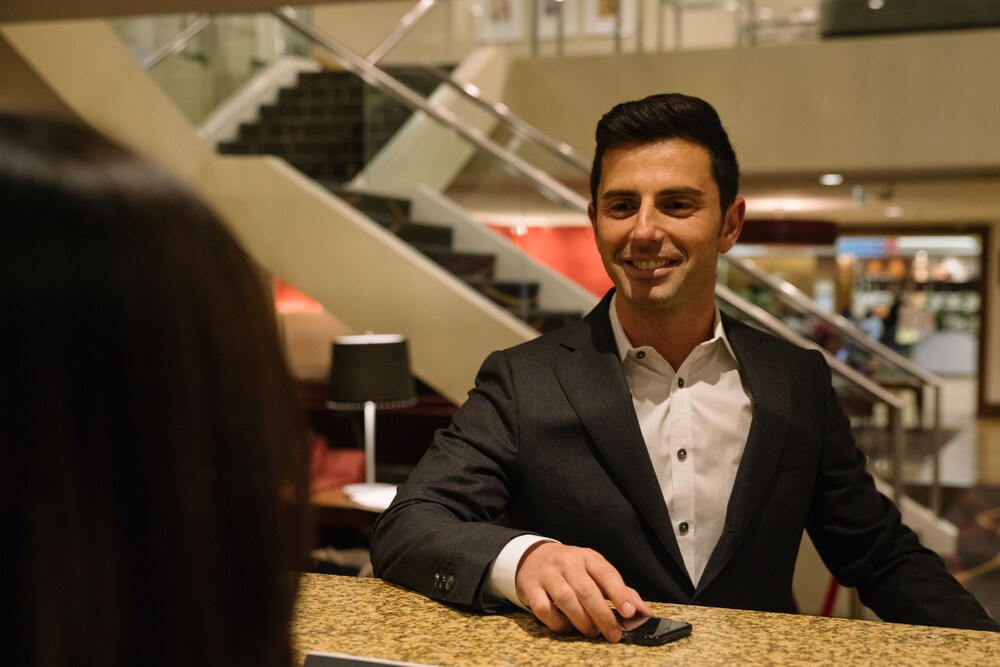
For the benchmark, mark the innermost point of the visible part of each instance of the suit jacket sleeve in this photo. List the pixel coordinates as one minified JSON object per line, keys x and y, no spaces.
{"x":444,"y":527}
{"x":860,"y":536}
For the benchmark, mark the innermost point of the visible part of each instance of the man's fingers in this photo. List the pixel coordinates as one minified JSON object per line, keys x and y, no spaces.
{"x":626,"y":600}
{"x":546,"y":612}
{"x":577,"y":606}
{"x":565,"y":584}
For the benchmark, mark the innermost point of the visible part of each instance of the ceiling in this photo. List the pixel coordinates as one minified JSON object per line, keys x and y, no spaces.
{"x":878,"y":201}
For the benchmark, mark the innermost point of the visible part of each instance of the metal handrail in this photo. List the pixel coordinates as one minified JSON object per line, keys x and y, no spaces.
{"x":177,"y":42}
{"x":798,"y":298}
{"x":374,"y":76}
{"x":472,"y":93}
{"x":402,"y":29}
{"x":501,"y":111}
{"x":793,"y":295}
{"x":873,"y":390}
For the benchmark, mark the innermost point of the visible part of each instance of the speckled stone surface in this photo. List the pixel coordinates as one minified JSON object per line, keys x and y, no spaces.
{"x":373,"y":618}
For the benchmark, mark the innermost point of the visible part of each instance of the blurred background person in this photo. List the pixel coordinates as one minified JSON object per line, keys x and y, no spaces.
{"x":154,"y":464}
{"x":872,"y":324}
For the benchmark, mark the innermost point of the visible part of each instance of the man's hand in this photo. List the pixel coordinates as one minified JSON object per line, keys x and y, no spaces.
{"x":566,"y":587}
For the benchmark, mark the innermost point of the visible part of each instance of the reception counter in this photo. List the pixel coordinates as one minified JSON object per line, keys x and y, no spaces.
{"x":368,"y":617}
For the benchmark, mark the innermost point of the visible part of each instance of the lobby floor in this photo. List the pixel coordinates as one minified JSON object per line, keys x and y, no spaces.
{"x":970,"y":470}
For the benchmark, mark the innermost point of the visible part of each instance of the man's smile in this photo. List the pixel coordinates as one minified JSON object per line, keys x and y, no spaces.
{"x":650,"y":263}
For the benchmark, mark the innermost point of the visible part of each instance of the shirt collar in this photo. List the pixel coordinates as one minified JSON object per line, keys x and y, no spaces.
{"x":625,"y":346}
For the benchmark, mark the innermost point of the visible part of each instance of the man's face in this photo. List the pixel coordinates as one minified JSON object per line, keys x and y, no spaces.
{"x":659,"y":227}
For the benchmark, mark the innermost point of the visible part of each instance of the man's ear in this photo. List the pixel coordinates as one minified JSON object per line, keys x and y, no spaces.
{"x":732,"y":224}
{"x":592,"y":214}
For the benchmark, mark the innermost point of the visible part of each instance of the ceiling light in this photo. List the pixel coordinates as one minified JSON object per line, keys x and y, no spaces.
{"x":893,"y":211}
{"x":831,"y":179}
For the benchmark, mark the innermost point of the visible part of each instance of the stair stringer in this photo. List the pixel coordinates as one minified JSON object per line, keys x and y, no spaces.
{"x":359,"y":271}
{"x":292,"y":227}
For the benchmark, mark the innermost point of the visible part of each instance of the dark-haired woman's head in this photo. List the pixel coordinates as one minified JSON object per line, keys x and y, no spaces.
{"x":154,"y":462}
{"x":664,"y":117}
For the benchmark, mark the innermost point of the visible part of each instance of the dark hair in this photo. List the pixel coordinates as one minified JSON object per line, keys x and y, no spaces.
{"x":669,"y":116}
{"x":154,"y":459}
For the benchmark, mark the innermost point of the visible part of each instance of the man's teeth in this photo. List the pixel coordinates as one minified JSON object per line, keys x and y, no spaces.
{"x":650,"y":264}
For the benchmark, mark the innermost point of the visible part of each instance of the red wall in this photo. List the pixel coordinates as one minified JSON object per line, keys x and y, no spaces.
{"x":568,"y":250}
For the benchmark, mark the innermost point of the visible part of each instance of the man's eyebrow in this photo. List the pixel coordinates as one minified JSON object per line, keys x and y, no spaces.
{"x":679,"y":190}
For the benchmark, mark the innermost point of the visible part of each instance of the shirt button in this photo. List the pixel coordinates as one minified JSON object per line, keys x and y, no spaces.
{"x":680,"y":382}
{"x":682,"y":454}
{"x":683,"y":527}
{"x":640,"y":355}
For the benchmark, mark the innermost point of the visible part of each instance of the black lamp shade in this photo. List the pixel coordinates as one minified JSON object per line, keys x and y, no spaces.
{"x":370,"y":368}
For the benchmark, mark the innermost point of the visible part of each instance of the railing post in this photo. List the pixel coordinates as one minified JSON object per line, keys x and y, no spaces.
{"x":935,"y":499}
{"x":640,"y":11}
{"x":620,"y":9}
{"x":560,"y":27}
{"x":898,"y":447}
{"x":533,"y":28}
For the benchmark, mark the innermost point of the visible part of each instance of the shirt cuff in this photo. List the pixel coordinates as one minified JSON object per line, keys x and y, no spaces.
{"x":500,"y":583}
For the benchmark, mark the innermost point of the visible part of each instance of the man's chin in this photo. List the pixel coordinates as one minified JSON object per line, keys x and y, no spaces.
{"x":652,"y":300}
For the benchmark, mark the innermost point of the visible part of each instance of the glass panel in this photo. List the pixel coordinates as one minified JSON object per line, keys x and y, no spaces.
{"x":214,"y":63}
{"x":871,"y":420}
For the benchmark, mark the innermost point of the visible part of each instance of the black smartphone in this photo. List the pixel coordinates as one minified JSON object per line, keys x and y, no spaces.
{"x":652,"y":630}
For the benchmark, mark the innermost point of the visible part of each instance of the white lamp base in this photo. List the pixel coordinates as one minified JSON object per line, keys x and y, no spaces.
{"x":371,"y":496}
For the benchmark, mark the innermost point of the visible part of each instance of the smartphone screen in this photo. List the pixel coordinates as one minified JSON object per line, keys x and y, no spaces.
{"x":652,"y":630}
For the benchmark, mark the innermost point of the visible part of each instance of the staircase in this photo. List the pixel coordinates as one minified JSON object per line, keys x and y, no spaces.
{"x":475,"y":269}
{"x":328,"y":126}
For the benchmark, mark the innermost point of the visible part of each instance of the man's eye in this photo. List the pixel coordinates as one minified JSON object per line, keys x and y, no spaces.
{"x":620,"y":207}
{"x":678,"y":207}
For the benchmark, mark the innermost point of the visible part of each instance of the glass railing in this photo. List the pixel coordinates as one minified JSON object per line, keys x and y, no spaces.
{"x":842,"y":340}
{"x":861,"y":397}
{"x":557,"y":28}
{"x":201,"y":60}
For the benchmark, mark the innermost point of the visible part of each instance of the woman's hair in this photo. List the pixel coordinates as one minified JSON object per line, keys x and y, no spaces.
{"x":153,"y":457}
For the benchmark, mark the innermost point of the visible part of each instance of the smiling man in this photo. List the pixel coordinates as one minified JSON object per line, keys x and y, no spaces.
{"x":655,"y":450}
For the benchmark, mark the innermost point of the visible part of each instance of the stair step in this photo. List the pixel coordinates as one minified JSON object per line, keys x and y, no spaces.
{"x":419,"y":234}
{"x":466,"y":265}
{"x":372,"y":204}
{"x":294,"y":152}
{"x":509,"y":294}
{"x":328,"y":94}
{"x":330,"y":146}
{"x":311,"y":129}
{"x":328,"y":79}
{"x":305,"y":111}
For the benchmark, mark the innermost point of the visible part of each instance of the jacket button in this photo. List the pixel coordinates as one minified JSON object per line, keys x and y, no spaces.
{"x":437,"y":580}
{"x":449,"y":583}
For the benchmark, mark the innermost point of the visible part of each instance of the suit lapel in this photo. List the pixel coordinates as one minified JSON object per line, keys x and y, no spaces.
{"x":769,"y":387}
{"x":592,"y":378}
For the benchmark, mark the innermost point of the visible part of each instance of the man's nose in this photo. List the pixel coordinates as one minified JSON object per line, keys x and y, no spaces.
{"x":646,"y":227}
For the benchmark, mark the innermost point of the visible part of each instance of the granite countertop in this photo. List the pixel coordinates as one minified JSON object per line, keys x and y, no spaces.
{"x":373,"y":618}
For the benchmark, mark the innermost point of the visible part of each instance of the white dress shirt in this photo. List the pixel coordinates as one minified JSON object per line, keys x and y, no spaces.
{"x":695,"y":422}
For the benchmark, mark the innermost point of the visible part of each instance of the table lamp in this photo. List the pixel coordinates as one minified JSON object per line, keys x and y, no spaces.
{"x":370,"y":371}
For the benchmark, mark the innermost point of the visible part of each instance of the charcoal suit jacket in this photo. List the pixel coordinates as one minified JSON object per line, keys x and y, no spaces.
{"x":549,"y":443}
